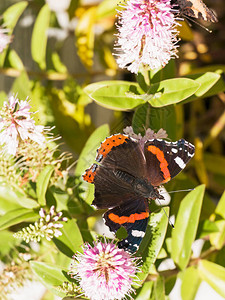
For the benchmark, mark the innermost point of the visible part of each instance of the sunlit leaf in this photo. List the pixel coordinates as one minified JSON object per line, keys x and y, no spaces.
{"x":71,"y":240}
{"x":12,"y":14}
{"x":50,"y":275}
{"x":171,"y":91}
{"x":22,"y":86}
{"x":214,"y":275}
{"x":39,"y":36}
{"x":153,"y":240}
{"x":190,"y":284}
{"x":42,"y":183}
{"x":144,"y":292}
{"x":186,"y":225}
{"x":16,"y":216}
{"x":117,"y":95}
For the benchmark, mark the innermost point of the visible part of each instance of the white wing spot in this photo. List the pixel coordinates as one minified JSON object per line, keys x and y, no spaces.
{"x":180,"y":162}
{"x":174,"y":150}
{"x":138,"y":233}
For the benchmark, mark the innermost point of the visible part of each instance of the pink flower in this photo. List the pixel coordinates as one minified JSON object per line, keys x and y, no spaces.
{"x":16,"y":123}
{"x":147,"y":34}
{"x":104,"y":271}
{"x":5,"y":39}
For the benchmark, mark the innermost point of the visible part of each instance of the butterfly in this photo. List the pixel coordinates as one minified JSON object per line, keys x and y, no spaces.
{"x":196,"y":9}
{"x":127,"y":174}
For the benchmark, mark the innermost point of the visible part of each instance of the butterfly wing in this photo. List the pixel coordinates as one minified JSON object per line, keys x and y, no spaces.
{"x":196,"y":9}
{"x":133,"y":216}
{"x":165,"y":160}
{"x":119,"y":152}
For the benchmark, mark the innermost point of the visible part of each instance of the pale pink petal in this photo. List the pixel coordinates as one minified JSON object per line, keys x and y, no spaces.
{"x":147,"y":35}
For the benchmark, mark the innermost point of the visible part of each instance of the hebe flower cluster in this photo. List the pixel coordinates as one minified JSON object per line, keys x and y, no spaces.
{"x":104,"y":271}
{"x":16,"y":124}
{"x":47,"y":226}
{"x":147,"y":34}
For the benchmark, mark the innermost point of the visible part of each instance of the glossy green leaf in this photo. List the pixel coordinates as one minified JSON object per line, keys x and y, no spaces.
{"x":186,"y":226}
{"x":42,"y":183}
{"x":17,"y":216}
{"x":171,"y":91}
{"x":190,"y":284}
{"x":220,"y":208}
{"x":22,"y":86}
{"x":50,"y":275}
{"x":159,"y":289}
{"x":144,"y":292}
{"x":106,"y":9}
{"x":71,"y":239}
{"x":117,"y":95}
{"x":7,"y":242}
{"x":155,"y":118}
{"x":153,"y":240}
{"x":217,"y":239}
{"x":88,"y":154}
{"x":12,"y":197}
{"x":15,"y":61}
{"x":39,"y":36}
{"x":214,"y":275}
{"x":206,"y":80}
{"x":12,"y":14}
{"x":205,"y":228}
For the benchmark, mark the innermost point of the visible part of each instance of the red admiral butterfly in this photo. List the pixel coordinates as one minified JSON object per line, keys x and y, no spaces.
{"x":196,"y":9}
{"x":128,"y":174}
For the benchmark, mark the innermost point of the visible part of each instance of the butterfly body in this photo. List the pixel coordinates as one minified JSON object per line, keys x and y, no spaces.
{"x":127,"y":176}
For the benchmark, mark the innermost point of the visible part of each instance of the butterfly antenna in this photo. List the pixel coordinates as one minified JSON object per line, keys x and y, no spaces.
{"x":171,"y":224}
{"x":187,"y":190}
{"x":199,"y":24}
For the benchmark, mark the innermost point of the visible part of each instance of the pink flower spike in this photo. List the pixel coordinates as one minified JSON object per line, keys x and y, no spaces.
{"x":104,"y":271}
{"x":16,"y":124}
{"x":147,"y":35}
{"x":5,"y":39}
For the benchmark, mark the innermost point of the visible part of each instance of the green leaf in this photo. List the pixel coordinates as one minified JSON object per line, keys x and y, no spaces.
{"x":159,"y":289}
{"x":71,"y":239}
{"x":220,"y":208}
{"x":153,"y":240}
{"x":106,"y":8}
{"x":39,"y":37}
{"x":206,"y":80}
{"x":205,"y":228}
{"x":190,"y":284}
{"x":88,"y":154}
{"x":155,"y":118}
{"x":171,"y":91}
{"x":12,"y":14}
{"x":217,"y":239}
{"x":186,"y":226}
{"x":50,"y":275}
{"x":144,"y":292}
{"x":42,"y":183}
{"x":117,"y":95}
{"x":22,"y":86}
{"x":214,"y":275}
{"x":15,"y":61}
{"x":7,"y":242}
{"x":16,"y":216}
